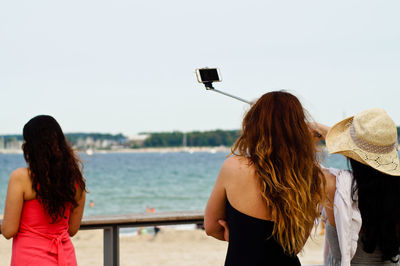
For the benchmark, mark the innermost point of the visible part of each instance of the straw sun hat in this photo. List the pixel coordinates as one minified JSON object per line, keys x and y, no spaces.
{"x":369,"y":137}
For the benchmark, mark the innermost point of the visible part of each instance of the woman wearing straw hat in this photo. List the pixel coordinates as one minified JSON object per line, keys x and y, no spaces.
{"x":267,"y":194}
{"x":364,"y":215}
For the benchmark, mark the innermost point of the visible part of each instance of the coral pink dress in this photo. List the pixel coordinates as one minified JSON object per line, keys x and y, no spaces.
{"x":41,"y":242}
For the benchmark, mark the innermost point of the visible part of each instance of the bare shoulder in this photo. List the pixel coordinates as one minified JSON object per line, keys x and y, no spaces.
{"x":236,"y":164}
{"x":20,"y":175}
{"x":236,"y":168}
{"x":20,"y":178}
{"x":232,"y":161}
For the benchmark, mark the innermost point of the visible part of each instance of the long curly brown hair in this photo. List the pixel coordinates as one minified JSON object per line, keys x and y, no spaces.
{"x":276,"y":139}
{"x":54,"y":168}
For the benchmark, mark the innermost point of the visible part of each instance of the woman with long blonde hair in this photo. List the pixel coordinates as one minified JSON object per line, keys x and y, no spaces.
{"x":266,"y":197}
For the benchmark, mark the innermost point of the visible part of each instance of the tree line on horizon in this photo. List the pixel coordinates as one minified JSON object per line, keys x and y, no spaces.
{"x":192,"y":139}
{"x":155,"y":139}
{"x":73,"y":137}
{"x":211,"y":138}
{"x":197,"y":138}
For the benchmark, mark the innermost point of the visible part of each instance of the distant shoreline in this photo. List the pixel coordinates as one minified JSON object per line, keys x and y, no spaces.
{"x":143,"y":150}
{"x":11,"y":151}
{"x":168,"y":149}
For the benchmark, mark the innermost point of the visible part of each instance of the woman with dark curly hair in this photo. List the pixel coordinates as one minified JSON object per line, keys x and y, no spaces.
{"x":266,"y":197}
{"x":45,"y":200}
{"x":363,"y":217}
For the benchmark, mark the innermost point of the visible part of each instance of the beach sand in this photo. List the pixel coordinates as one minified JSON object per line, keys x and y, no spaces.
{"x":169,"y":247}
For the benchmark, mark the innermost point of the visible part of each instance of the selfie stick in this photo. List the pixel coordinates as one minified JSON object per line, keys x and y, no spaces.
{"x":209,"y":86}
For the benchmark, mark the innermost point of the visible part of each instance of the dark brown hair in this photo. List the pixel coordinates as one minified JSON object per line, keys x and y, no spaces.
{"x":378,"y":198}
{"x":276,"y":139}
{"x":53,"y":166}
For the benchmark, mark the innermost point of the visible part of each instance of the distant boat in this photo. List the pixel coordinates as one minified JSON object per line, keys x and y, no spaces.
{"x":184,"y":144}
{"x":89,"y":152}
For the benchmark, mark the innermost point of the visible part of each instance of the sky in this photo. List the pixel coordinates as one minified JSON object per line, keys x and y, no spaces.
{"x":127,"y":66}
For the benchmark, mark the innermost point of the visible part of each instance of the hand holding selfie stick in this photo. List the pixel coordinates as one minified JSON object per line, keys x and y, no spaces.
{"x":209,"y":75}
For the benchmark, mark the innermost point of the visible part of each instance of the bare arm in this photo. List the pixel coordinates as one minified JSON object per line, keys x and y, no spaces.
{"x":215,"y":210}
{"x":13,"y":204}
{"x":330,"y":195}
{"x":319,"y":132}
{"x":76,"y":213}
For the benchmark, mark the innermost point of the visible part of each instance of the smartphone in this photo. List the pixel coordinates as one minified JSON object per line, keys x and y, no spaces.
{"x":208,"y":75}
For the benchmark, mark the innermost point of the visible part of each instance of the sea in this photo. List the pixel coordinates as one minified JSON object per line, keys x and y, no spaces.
{"x":121,"y":183}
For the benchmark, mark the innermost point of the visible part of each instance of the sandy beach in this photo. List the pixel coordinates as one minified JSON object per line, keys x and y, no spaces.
{"x":169,"y":247}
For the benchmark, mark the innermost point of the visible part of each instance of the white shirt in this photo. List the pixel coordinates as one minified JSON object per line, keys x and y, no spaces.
{"x":347,"y":216}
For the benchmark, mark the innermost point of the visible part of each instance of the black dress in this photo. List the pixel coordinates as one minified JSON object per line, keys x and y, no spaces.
{"x":249,"y":244}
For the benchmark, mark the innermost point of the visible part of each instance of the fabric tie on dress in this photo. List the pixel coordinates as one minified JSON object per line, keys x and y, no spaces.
{"x":56,"y":244}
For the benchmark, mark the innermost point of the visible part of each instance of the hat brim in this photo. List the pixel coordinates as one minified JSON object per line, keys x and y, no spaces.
{"x":338,"y":140}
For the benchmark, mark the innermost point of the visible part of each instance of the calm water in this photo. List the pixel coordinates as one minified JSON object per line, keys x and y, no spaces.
{"x":128,"y":182}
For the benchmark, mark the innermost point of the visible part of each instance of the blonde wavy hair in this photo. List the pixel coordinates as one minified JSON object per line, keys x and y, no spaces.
{"x":276,"y":139}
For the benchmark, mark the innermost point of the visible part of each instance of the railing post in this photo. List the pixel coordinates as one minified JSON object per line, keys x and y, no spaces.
{"x":111,"y":245}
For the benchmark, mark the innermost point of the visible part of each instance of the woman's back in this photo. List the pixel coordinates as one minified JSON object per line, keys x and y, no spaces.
{"x":39,"y":240}
{"x":243,"y":188}
{"x":34,"y":216}
{"x":250,"y":221}
{"x":250,"y":241}
{"x":361,"y":258}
